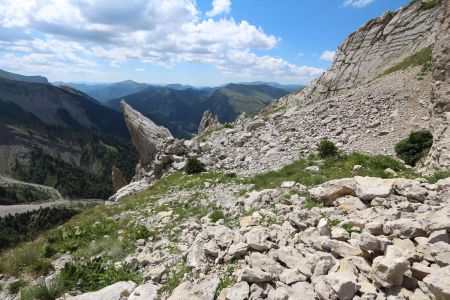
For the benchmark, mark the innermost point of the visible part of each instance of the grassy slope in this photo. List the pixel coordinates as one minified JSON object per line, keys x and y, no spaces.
{"x":116,"y":236}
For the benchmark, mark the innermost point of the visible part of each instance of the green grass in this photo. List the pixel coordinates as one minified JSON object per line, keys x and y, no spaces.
{"x":438,"y":176}
{"x":176,"y":275}
{"x":421,"y":58}
{"x":331,"y":168}
{"x":86,"y":276}
{"x":429,"y":5}
{"x":226,"y":280}
{"x":272,"y":111}
{"x":16,"y":286}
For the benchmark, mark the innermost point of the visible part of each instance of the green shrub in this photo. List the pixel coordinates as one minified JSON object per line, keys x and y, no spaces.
{"x":420,"y":58}
{"x":326,"y":149}
{"x":193,"y":166}
{"x":415,"y":147}
{"x":94,"y":274}
{"x":16,"y":286}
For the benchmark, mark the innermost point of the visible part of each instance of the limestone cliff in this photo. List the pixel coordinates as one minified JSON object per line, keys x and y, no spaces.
{"x":439,"y":157}
{"x":378,"y":45}
{"x":147,"y":137}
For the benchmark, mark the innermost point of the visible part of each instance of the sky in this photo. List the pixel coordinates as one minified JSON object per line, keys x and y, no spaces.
{"x":195,"y":42}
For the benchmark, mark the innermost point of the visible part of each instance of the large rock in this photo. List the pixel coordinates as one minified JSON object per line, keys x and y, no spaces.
{"x":148,"y":291}
{"x":239,"y":291}
{"x":203,"y":290}
{"x":365,"y":188}
{"x":118,"y":179}
{"x":147,"y":137}
{"x":438,"y":282}
{"x":112,"y":292}
{"x":209,"y":121}
{"x":388,"y":271}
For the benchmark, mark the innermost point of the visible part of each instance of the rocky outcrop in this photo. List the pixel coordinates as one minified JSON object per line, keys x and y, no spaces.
{"x":147,"y":137}
{"x":118,"y":180}
{"x":17,"y":189}
{"x":209,"y":121}
{"x":371,"y":118}
{"x":378,"y":45}
{"x":439,"y":157}
{"x":159,"y":153}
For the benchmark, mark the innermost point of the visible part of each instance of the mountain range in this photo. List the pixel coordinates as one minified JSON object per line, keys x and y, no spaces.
{"x":63,"y":134}
{"x":180,"y":110}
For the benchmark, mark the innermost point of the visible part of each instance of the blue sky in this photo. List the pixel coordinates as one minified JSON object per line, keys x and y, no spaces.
{"x":202,"y":43}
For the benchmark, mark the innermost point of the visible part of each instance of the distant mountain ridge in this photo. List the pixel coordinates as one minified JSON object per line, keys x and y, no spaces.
{"x":181,"y":110}
{"x":61,"y":137}
{"x":12,"y":76}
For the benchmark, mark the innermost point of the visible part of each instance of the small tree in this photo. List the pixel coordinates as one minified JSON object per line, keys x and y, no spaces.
{"x":415,"y":147}
{"x":193,"y":165}
{"x":327,"y":148}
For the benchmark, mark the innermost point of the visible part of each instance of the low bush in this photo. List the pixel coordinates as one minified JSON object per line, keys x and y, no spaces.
{"x":16,"y":286}
{"x":326,"y":149}
{"x":415,"y":147}
{"x":194,"y":166}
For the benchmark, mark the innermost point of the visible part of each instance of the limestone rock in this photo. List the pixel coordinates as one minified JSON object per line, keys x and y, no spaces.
{"x":439,"y":156}
{"x":209,"y":121}
{"x":238,"y":291}
{"x":438,"y":282}
{"x":147,"y":137}
{"x":147,"y":291}
{"x":117,"y":179}
{"x":112,"y":292}
{"x":203,"y":290}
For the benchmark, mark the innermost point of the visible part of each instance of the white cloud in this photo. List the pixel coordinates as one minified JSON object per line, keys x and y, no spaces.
{"x":139,"y":70}
{"x":328,"y":55}
{"x":219,"y":7}
{"x":71,"y":34}
{"x":357,"y":3}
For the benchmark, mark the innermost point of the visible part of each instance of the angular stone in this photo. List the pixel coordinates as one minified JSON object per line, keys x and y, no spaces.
{"x":343,"y":284}
{"x":265,"y":263}
{"x":254,"y":275}
{"x":338,"y":248}
{"x":411,"y":189}
{"x":238,"y":291}
{"x":238,"y":250}
{"x":147,"y":291}
{"x":350,"y":204}
{"x":203,"y":290}
{"x":294,"y":260}
{"x":258,"y":238}
{"x":405,"y":228}
{"x":290,"y":276}
{"x":438,"y":282}
{"x":118,"y":179}
{"x":111,"y":292}
{"x":388,"y":271}
{"x":302,"y":290}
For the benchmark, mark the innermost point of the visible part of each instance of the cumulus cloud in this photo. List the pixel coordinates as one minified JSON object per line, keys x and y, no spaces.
{"x":357,"y":3}
{"x":219,"y":7}
{"x":328,"y":55}
{"x":69,"y":34}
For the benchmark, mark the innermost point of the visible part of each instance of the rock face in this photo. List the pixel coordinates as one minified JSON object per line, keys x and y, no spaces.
{"x":439,"y":157}
{"x":117,"y":179}
{"x":147,"y":137}
{"x":379,"y":44}
{"x":209,"y":121}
